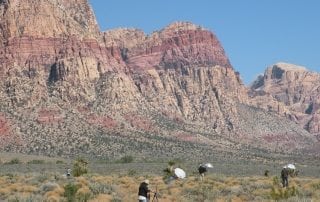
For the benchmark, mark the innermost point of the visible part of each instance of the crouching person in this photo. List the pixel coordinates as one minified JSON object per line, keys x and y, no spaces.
{"x":144,"y":191}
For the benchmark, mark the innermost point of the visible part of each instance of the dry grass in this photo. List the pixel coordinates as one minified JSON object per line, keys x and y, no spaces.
{"x":124,"y":188}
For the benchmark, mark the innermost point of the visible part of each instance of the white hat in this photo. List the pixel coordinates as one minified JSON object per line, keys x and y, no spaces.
{"x":146,"y":181}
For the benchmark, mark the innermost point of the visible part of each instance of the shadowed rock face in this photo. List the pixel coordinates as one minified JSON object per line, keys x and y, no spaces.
{"x":296,"y":90}
{"x":68,"y":88}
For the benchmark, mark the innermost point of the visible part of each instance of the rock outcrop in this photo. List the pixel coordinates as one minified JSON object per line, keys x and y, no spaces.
{"x":68,"y":88}
{"x":47,"y":18}
{"x":295,"y":92}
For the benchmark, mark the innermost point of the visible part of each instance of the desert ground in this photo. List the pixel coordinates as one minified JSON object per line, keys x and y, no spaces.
{"x":36,"y":178}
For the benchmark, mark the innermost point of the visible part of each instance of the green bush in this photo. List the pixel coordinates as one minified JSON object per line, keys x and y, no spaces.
{"x":279,"y":193}
{"x":316,"y":186}
{"x":13,"y":161}
{"x":126,"y":159}
{"x":276,"y":180}
{"x":36,"y":161}
{"x":266,"y":173}
{"x":59,"y":162}
{"x":70,"y":191}
{"x":171,"y":163}
{"x":132,"y":172}
{"x":80,"y":167}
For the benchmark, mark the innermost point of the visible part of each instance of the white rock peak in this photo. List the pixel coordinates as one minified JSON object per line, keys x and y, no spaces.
{"x":289,"y":67}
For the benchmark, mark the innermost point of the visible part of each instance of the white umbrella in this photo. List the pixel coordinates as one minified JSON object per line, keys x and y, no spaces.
{"x":291,"y":166}
{"x":179,"y":173}
{"x":208,"y":165}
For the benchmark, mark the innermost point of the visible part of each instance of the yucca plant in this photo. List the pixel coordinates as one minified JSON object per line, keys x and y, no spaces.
{"x":80,"y":167}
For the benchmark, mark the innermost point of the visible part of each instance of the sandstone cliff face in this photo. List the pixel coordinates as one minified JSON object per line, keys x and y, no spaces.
{"x":174,"y":69}
{"x":50,"y":47}
{"x":66,"y":88}
{"x":296,"y":90}
{"x":48,"y":18}
{"x":179,"y":44}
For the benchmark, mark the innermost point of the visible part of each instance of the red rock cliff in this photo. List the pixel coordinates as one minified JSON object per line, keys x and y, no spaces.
{"x":69,"y":88}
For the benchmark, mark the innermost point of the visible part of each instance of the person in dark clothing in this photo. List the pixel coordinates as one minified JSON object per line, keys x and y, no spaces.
{"x":284,"y":177}
{"x":202,"y":169}
{"x":144,"y":191}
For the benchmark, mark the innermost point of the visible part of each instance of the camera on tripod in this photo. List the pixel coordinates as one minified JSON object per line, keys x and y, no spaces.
{"x":155,"y":195}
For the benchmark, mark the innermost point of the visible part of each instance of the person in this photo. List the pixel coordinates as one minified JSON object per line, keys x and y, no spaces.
{"x":144,"y":191}
{"x":284,"y":176}
{"x":202,"y":169}
{"x":68,"y":172}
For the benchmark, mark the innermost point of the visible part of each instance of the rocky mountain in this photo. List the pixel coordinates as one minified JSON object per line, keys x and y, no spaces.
{"x":68,"y":89}
{"x":295,"y":92}
{"x":47,"y":18}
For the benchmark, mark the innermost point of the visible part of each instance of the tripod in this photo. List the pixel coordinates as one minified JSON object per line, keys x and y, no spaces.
{"x":155,"y":196}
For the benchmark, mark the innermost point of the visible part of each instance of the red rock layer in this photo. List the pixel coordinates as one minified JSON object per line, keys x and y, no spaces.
{"x":179,"y":44}
{"x":41,"y":52}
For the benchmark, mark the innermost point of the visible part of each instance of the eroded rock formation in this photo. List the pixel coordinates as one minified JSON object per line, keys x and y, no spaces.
{"x":293,"y":89}
{"x":68,"y":89}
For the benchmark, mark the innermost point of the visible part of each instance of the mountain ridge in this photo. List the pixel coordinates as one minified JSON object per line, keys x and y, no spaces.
{"x":68,"y":92}
{"x":297,"y":89}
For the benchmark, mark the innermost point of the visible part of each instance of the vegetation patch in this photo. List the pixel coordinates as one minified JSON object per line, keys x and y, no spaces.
{"x":36,"y":161}
{"x":13,"y":161}
{"x":80,"y":167}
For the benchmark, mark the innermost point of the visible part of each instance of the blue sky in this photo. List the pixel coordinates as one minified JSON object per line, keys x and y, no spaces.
{"x":254,"y":33}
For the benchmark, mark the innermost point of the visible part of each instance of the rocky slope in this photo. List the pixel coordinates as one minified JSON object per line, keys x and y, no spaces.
{"x":47,"y":18}
{"x":296,"y":91}
{"x":68,"y":89}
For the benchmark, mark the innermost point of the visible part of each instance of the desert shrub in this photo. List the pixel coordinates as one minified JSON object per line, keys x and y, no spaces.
{"x":116,"y":199}
{"x":31,"y":198}
{"x":171,"y":163}
{"x":126,"y":159}
{"x":219,"y":177}
{"x":14,"y":199}
{"x":36,"y":161}
{"x":100,"y":188}
{"x":278,"y":193}
{"x":50,"y":186}
{"x":316,"y":186}
{"x":276,"y":180}
{"x":201,"y":193}
{"x":266,"y":173}
{"x":83,"y":197}
{"x":70,"y":191}
{"x":132,"y":172}
{"x":281,"y":194}
{"x":13,"y":161}
{"x":104,"y":160}
{"x":41,"y":178}
{"x":9,"y":175}
{"x":80,"y":167}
